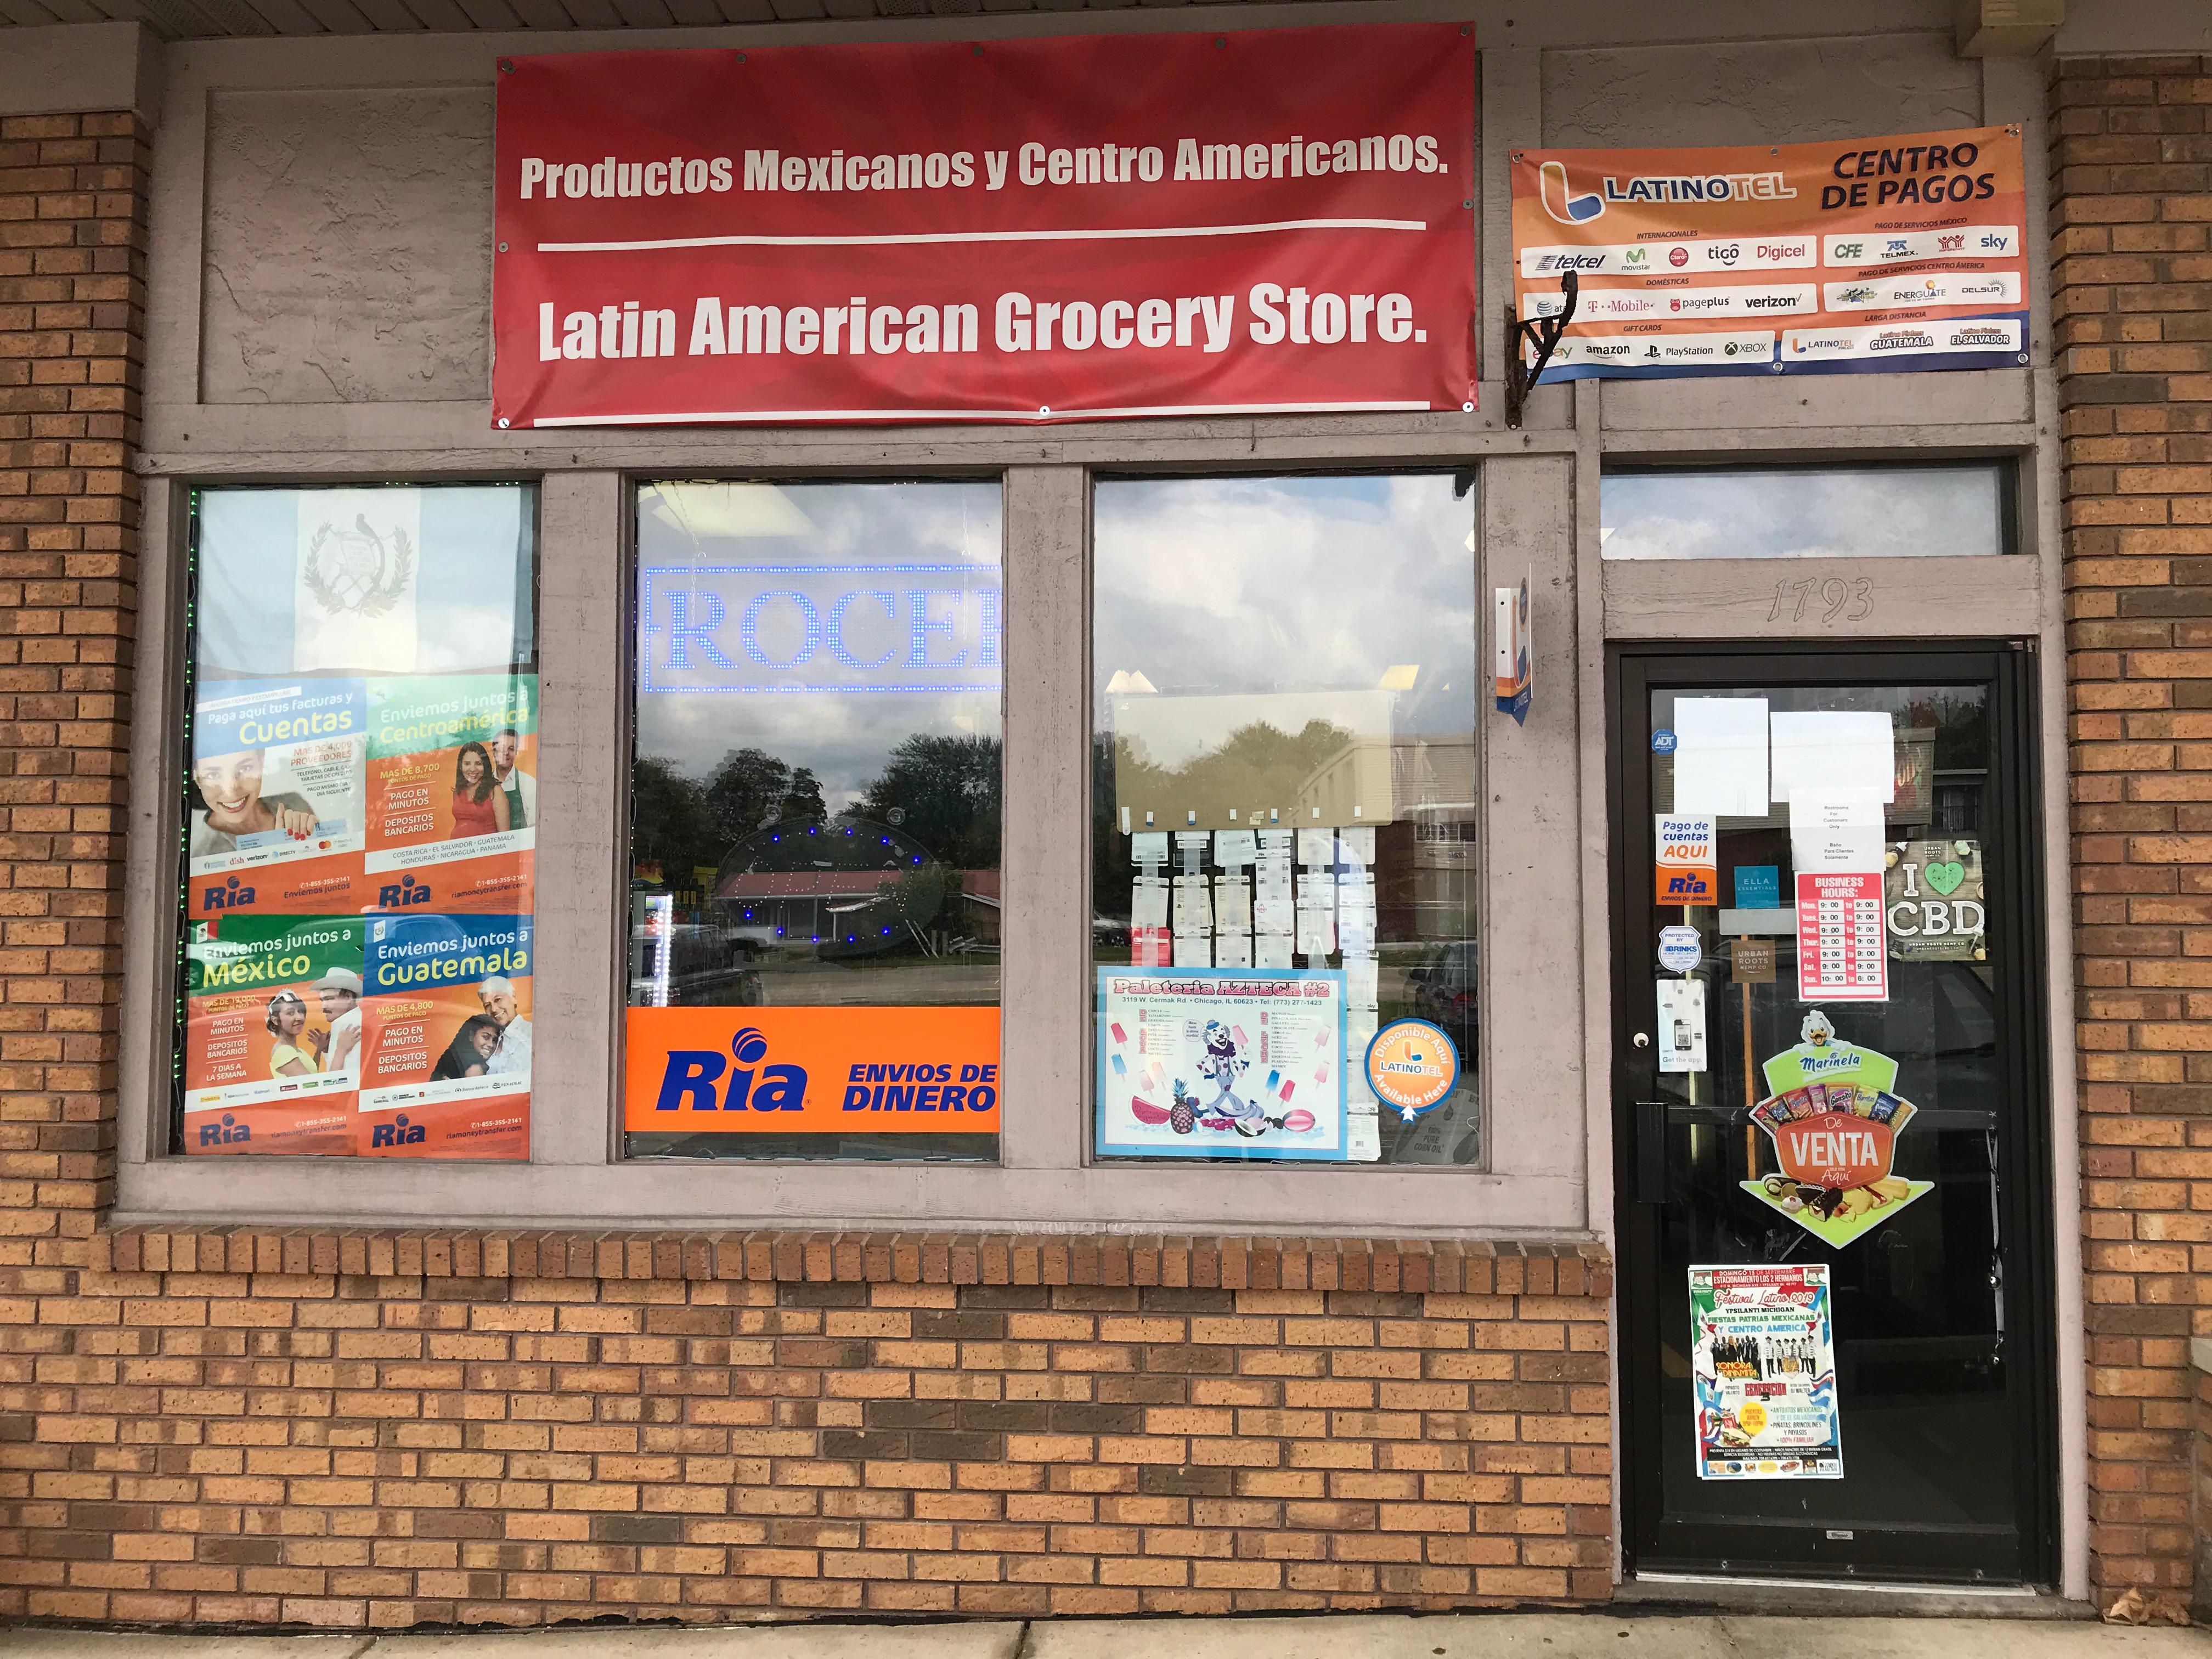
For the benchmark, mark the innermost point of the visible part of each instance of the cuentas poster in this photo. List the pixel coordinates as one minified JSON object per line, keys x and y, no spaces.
{"x":271,"y":1034}
{"x":447,"y":1034}
{"x":359,"y":821}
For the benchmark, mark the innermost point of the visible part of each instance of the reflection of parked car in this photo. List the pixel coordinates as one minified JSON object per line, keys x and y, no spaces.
{"x":702,"y":966}
{"x":1444,"y":991}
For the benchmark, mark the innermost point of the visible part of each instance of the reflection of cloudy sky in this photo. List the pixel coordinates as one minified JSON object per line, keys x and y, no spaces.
{"x":843,"y":737}
{"x":1801,"y":513}
{"x":1262,"y":585}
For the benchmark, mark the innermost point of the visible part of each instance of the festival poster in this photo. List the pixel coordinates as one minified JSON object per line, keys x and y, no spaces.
{"x":447,"y":1036}
{"x":1222,"y":1063}
{"x":275,"y":823}
{"x":1763,"y":1359}
{"x":1833,"y":1120}
{"x":271,"y":1034}
{"x":452,"y":793}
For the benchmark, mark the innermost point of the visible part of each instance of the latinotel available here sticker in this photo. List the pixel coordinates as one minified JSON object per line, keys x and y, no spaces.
{"x":1412,"y":1064}
{"x":1763,"y":1355}
{"x":1833,"y":1118}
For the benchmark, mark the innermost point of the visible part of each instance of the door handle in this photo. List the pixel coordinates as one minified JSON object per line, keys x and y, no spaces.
{"x":1650,"y":1152}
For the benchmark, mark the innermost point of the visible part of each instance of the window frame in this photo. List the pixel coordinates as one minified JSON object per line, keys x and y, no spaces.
{"x":1466,"y":483}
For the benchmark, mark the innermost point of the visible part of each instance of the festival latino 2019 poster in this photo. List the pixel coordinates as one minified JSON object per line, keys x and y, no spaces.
{"x":1256,"y":222}
{"x":1854,"y":256}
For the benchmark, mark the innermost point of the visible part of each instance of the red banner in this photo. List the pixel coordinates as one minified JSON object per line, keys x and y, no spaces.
{"x":1062,"y":229}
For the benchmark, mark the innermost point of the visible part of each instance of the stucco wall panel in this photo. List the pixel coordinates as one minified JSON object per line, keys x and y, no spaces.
{"x":1758,"y":92}
{"x":346,"y":259}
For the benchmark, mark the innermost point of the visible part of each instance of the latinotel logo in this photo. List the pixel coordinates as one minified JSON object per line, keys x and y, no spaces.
{"x":689,"y":1078}
{"x":228,"y":1132}
{"x":1559,"y":199}
{"x":405,"y":891}
{"x":398,"y":1133}
{"x":231,"y":895}
{"x":1412,"y":1064}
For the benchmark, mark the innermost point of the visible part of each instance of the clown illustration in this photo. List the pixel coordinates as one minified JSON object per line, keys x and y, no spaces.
{"x":1221,"y":1066}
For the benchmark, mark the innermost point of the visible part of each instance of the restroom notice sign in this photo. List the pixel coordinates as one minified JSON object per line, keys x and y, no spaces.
{"x":1254,"y":222}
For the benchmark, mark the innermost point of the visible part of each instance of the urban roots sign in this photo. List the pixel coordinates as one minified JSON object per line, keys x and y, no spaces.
{"x":1064,"y":229}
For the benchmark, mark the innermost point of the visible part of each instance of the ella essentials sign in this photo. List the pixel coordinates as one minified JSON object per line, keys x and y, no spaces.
{"x":811,"y":1071}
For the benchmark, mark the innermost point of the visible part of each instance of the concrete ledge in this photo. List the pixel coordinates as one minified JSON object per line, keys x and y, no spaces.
{"x":80,"y":69}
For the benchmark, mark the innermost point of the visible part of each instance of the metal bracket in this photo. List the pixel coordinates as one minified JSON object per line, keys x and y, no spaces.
{"x":1540,"y":334}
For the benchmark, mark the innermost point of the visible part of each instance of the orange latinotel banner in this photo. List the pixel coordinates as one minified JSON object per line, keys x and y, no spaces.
{"x":811,"y":1071}
{"x":1852,"y":256}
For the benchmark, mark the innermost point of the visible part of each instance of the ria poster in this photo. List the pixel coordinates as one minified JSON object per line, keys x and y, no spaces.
{"x":1850,"y":256}
{"x":1242,"y":1063}
{"x":1763,"y":1360}
{"x":361,"y":796}
{"x":448,"y":1035}
{"x":271,"y":1034}
{"x":452,"y":792}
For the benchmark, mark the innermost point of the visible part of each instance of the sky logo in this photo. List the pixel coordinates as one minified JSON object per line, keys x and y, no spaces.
{"x":1559,"y":199}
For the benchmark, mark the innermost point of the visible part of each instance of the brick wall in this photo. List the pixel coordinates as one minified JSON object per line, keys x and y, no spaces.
{"x":372,"y":1430}
{"x":72,"y":294}
{"x":2132,"y":175}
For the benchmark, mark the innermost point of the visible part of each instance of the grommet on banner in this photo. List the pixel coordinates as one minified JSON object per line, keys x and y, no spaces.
{"x":1045,"y":410}
{"x":502,"y":423}
{"x":502,"y":247}
{"x":506,"y":66}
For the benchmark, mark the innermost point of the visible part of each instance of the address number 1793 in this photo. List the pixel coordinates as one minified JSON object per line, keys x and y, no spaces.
{"x":1829,"y":598}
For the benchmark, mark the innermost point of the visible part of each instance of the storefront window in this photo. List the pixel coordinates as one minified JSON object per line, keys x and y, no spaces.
{"x":815,"y":822}
{"x":1807,"y":512}
{"x":360,"y":800}
{"x":1286,"y":838}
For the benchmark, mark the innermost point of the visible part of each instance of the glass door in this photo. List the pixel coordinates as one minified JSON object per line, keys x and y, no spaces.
{"x":1830,"y":1115}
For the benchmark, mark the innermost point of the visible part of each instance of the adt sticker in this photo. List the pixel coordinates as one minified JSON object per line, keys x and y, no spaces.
{"x":1679,"y":950}
{"x":1663,"y":742}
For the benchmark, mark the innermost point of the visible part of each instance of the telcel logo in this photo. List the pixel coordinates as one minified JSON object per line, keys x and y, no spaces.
{"x":688,"y":1081}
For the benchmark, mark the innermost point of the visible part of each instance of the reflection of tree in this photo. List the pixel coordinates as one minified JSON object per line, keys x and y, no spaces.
{"x":945,"y":794}
{"x":1256,"y":765}
{"x":750,"y":787}
{"x":684,"y":823}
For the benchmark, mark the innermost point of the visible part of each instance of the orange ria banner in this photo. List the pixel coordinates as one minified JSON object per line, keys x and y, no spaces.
{"x":811,"y":1071}
{"x":1852,"y":256}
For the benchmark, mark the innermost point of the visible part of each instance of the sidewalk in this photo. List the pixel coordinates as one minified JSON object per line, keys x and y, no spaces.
{"x":1444,"y":1636}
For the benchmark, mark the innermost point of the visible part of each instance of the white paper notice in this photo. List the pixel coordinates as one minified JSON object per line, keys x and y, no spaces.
{"x":1316,"y":931}
{"x":1720,"y":755}
{"x":1194,"y":950}
{"x":1271,"y":950}
{"x":1317,"y":846}
{"x":1849,"y":751}
{"x":1232,"y":950}
{"x":1357,"y":843}
{"x":1681,"y":1024}
{"x":1148,"y":904}
{"x":1359,"y":983}
{"x":1832,"y":831}
{"x":1232,"y":905}
{"x":1275,"y":914}
{"x":1234,"y":848}
{"x":1149,"y":846}
{"x":1362,"y":1137}
{"x":1193,"y":905}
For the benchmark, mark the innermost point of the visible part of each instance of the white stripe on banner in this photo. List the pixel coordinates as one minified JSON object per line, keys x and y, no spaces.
{"x":1266,"y":228}
{"x":754,"y":415}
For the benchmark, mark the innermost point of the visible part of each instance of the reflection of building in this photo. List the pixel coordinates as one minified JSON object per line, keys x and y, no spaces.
{"x":1419,"y":793}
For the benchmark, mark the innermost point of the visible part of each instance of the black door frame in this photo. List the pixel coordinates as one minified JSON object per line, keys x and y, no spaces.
{"x":2027,"y":1212}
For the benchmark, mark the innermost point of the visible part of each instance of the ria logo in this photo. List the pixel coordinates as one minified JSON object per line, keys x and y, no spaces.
{"x":688,"y":1081}
{"x":228,"y":1132}
{"x":398,"y":1133}
{"x":229,"y":896}
{"x":407,"y":890}
{"x":1559,"y":199}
